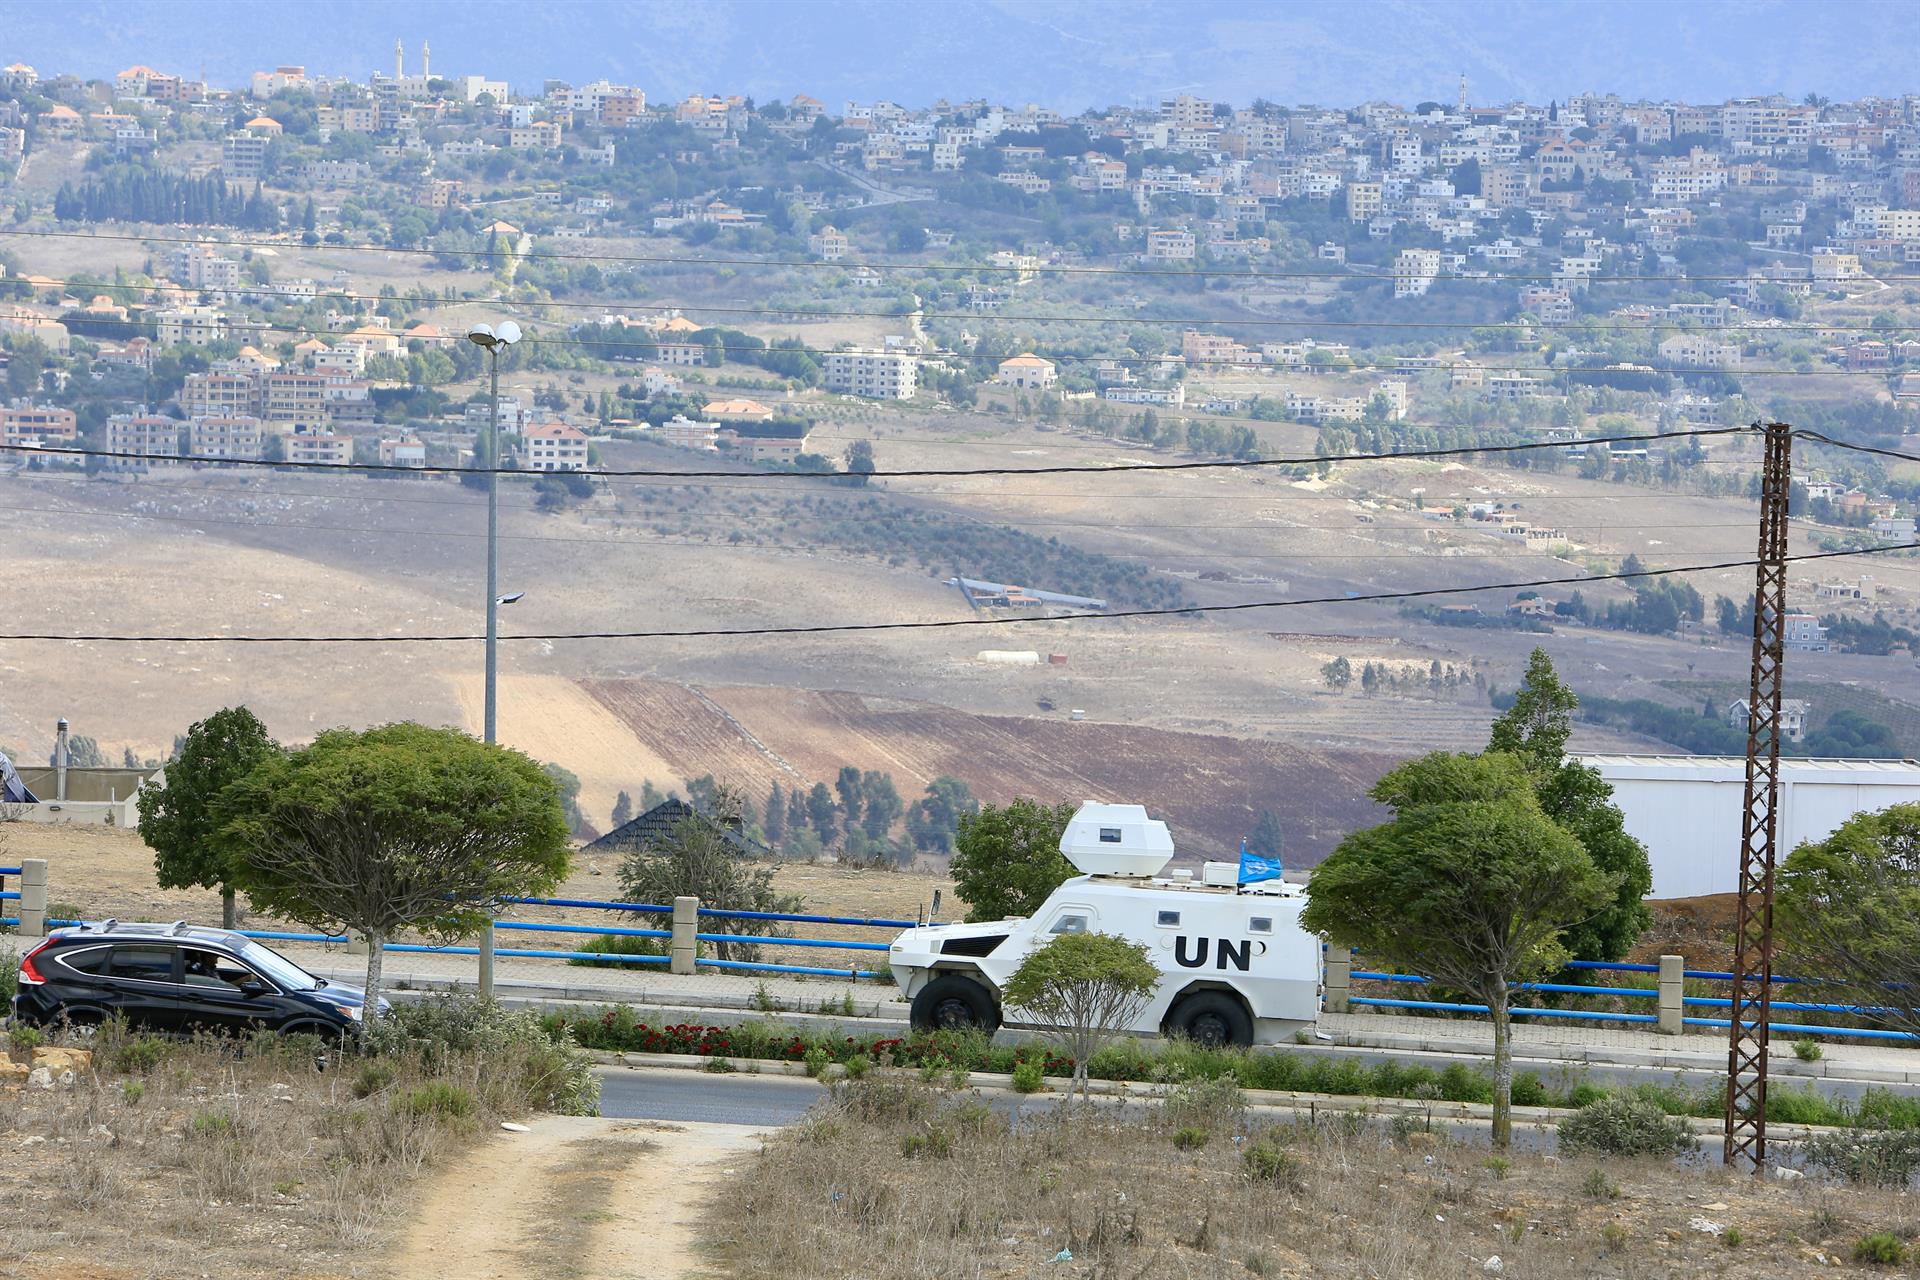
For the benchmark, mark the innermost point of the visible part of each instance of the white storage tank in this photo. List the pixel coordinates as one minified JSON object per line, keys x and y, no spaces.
{"x":1687,"y":809}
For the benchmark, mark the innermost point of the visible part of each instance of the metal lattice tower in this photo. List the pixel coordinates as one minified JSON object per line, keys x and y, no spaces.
{"x":1746,"y":1115}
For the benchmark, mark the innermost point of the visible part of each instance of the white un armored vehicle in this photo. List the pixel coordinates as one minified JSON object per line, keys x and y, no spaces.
{"x":1235,"y":966}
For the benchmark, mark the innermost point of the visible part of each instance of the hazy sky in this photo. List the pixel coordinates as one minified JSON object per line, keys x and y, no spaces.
{"x":1068,"y":54}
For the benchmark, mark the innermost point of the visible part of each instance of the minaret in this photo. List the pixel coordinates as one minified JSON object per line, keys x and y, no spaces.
{"x":399,"y":62}
{"x":424,"y":54}
{"x":1463,"y":93}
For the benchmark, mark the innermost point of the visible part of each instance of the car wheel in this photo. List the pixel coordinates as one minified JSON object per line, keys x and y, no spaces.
{"x":954,"y":1002}
{"x":1211,"y":1019}
{"x":81,"y":1024}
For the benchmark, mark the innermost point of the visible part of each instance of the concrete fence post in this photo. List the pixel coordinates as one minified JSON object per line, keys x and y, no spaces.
{"x":486,"y":961}
{"x":1672,"y":989}
{"x":33,"y":897}
{"x":1339,"y":979}
{"x":685,"y":947}
{"x":356,"y":943}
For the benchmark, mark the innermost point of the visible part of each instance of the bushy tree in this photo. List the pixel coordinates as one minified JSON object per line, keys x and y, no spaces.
{"x":696,"y":859}
{"x":933,"y":820}
{"x":1267,"y":839}
{"x":1007,"y":859}
{"x":1849,"y":911}
{"x":1536,"y":729}
{"x":1470,"y":883}
{"x":398,"y":827}
{"x":1083,"y":989}
{"x":179,"y":820}
{"x":622,"y":810}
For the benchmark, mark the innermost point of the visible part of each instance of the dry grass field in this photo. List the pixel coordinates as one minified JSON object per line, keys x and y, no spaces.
{"x":898,"y":1182}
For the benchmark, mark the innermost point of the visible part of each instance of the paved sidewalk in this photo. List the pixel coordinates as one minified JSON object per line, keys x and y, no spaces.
{"x":1554,"y":1042}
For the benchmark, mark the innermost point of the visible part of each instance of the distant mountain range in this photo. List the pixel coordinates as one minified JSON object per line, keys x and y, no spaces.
{"x":1067,"y":54}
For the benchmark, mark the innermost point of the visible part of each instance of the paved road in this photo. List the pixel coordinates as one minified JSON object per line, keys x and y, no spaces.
{"x":770,"y":1101}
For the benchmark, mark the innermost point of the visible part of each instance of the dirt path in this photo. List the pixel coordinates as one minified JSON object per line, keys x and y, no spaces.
{"x":576,"y":1197}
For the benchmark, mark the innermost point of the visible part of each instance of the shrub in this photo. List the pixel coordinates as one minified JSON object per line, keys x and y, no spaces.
{"x":934,"y":1142}
{"x":23,"y":1039}
{"x":718,"y":1065}
{"x":816,"y":1061}
{"x":1191,"y":1138}
{"x":1267,"y":1161}
{"x":132,"y":1091}
{"x":1881,"y":1249}
{"x":371,"y":1079}
{"x":858,"y":1066}
{"x":139,"y":1056}
{"x":1624,"y":1127}
{"x":210,"y":1124}
{"x":1498,"y":1166}
{"x":884,"y":1100}
{"x":1807,"y":1049}
{"x":1212,"y":1105}
{"x":1884,"y":1159}
{"x":1529,"y":1092}
{"x":437,"y":1100}
{"x":1585,"y":1095}
{"x":528,"y":1063}
{"x":1598,"y":1186}
{"x":1028,"y":1076}
{"x":619,"y":945}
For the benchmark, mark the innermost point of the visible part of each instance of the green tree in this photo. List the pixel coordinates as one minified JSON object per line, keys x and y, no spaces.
{"x":1007,"y":859}
{"x":393,"y":828}
{"x":775,"y":821}
{"x":622,"y":811}
{"x":696,"y":859}
{"x":1266,"y":838}
{"x":821,"y":812}
{"x":1849,"y":911}
{"x":179,"y":820}
{"x":569,"y":783}
{"x":1536,"y":729}
{"x":933,"y":820}
{"x":1470,"y":883}
{"x":1337,"y":674}
{"x":1083,"y":989}
{"x":881,"y":805}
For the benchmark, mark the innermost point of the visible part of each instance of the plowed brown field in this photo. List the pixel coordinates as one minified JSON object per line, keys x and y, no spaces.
{"x":1210,"y":787}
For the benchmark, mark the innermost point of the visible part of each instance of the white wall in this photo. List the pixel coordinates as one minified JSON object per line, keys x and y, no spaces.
{"x":1687,"y":811}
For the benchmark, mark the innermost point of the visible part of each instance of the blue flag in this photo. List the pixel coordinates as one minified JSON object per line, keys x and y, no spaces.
{"x":1253,"y":867}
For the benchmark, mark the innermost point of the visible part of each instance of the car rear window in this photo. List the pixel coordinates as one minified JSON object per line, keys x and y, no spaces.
{"x":85,"y":959}
{"x":154,"y":964}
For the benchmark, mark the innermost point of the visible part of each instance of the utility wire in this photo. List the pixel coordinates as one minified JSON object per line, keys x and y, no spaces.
{"x":1207,"y":465}
{"x":1822,"y":438}
{"x":854,"y":627}
{"x":803,"y":264}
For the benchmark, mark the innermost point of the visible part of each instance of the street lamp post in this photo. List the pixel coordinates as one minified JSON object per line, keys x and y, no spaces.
{"x":492,"y":341}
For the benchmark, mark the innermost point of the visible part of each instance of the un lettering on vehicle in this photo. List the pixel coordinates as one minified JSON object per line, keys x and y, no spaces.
{"x":1226,"y":953}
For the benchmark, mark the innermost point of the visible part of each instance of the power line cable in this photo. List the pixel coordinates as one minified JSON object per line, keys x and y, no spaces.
{"x":856,"y":627}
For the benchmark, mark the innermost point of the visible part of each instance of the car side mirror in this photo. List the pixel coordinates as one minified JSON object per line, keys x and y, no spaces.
{"x":253,"y":987}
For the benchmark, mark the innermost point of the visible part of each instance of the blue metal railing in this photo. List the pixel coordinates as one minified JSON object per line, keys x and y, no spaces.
{"x":1645,"y":993}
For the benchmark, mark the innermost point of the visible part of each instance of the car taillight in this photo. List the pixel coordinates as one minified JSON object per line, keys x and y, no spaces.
{"x":30,"y":976}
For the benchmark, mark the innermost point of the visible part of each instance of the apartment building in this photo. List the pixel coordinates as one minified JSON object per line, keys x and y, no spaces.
{"x":192,"y":326}
{"x":1174,"y":244}
{"x":877,"y":375}
{"x":243,"y":156}
{"x":828,"y":244}
{"x":1028,"y":372}
{"x":1363,"y":201}
{"x":204,"y":268}
{"x":27,"y":424}
{"x":224,"y":437}
{"x":322,"y":448}
{"x":296,"y":400}
{"x":1698,"y":351}
{"x":404,"y":452}
{"x":143,"y":436}
{"x":685,"y":433}
{"x":1414,"y":272}
{"x":219,"y":395}
{"x":554,"y":446}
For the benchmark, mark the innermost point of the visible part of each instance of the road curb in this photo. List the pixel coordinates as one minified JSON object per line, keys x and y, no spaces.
{"x":1258,"y":1101}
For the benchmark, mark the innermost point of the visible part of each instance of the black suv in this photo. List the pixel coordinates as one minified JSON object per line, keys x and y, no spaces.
{"x":177,"y":978}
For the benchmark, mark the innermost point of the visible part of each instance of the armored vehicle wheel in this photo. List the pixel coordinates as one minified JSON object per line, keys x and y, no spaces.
{"x":954,"y":1002}
{"x":1212,"y":1019}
